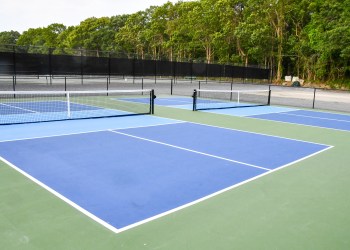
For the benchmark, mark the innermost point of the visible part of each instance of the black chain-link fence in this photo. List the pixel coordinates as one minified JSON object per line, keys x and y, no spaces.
{"x":24,"y":69}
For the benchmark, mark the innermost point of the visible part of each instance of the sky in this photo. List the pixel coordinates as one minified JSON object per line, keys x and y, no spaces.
{"x":20,"y":15}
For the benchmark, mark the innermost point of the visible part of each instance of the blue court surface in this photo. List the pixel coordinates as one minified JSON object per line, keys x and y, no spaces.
{"x":174,"y":102}
{"x":35,"y":111}
{"x":41,"y":106}
{"x":310,"y":118}
{"x":125,"y":173}
{"x":273,"y":113}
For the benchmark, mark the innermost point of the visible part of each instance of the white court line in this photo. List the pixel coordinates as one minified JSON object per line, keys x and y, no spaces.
{"x":190,"y":150}
{"x":92,"y":131}
{"x":115,"y":230}
{"x":216,"y":193}
{"x":256,"y":133}
{"x":60,"y":196}
{"x":270,"y":120}
{"x":7,"y":105}
{"x":272,"y":112}
{"x":314,"y":117}
{"x":179,"y":122}
{"x":299,"y":124}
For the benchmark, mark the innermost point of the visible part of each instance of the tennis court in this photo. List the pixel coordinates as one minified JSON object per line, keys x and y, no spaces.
{"x":174,"y":180}
{"x":274,"y":113}
{"x":123,"y":183}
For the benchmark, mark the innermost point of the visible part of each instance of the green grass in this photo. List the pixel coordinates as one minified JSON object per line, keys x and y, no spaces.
{"x":303,"y":206}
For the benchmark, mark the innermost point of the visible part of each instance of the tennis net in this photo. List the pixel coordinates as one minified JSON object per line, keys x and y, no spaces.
{"x":204,"y":99}
{"x":39,"y":106}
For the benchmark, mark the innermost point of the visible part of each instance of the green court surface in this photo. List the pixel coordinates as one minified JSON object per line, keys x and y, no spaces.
{"x":303,"y":206}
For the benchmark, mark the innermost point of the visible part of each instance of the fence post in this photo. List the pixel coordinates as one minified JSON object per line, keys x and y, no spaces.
{"x":244,"y":73}
{"x":171,"y":86}
{"x":14,"y":66}
{"x":109,"y":67}
{"x":81,"y":67}
{"x":232,"y":74}
{"x":206,"y":72}
{"x":174,"y":69}
{"x":191,"y":70}
{"x":313,"y":103}
{"x":133,"y":69}
{"x":155,"y":71}
{"x":50,"y":65}
{"x":13,"y":83}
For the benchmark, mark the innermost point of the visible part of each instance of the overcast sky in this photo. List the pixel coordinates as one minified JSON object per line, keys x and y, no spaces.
{"x":20,"y":15}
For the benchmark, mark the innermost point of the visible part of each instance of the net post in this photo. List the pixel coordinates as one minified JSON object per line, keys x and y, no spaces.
{"x":153,"y":96}
{"x":194,"y":108}
{"x":269,"y":98}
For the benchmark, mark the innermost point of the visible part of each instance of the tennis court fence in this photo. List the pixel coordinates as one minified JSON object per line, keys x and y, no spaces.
{"x":17,"y":62}
{"x":22,"y":71}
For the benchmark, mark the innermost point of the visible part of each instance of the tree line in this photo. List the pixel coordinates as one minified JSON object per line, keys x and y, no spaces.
{"x":305,"y":38}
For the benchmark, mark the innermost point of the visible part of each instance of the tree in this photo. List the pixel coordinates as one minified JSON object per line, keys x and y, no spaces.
{"x":45,"y":37}
{"x":308,"y":38}
{"x":326,"y":39}
{"x":92,"y":34}
{"x":9,"y":37}
{"x":131,"y":37}
{"x":180,"y":31}
{"x":205,"y":27}
{"x":156,"y":33}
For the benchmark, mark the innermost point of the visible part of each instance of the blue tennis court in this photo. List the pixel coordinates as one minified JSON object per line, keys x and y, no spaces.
{"x":273,"y":113}
{"x":123,"y":176}
{"x":35,"y":111}
{"x":290,"y":115}
{"x":41,"y":106}
{"x":310,"y":118}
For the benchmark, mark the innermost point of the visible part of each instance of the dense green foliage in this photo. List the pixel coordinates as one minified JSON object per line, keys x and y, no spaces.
{"x":310,"y":39}
{"x":9,"y":37}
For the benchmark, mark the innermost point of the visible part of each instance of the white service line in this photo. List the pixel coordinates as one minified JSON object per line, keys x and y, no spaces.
{"x":92,"y":131}
{"x":7,"y":105}
{"x":314,"y":117}
{"x":190,"y":150}
{"x":215,"y":193}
